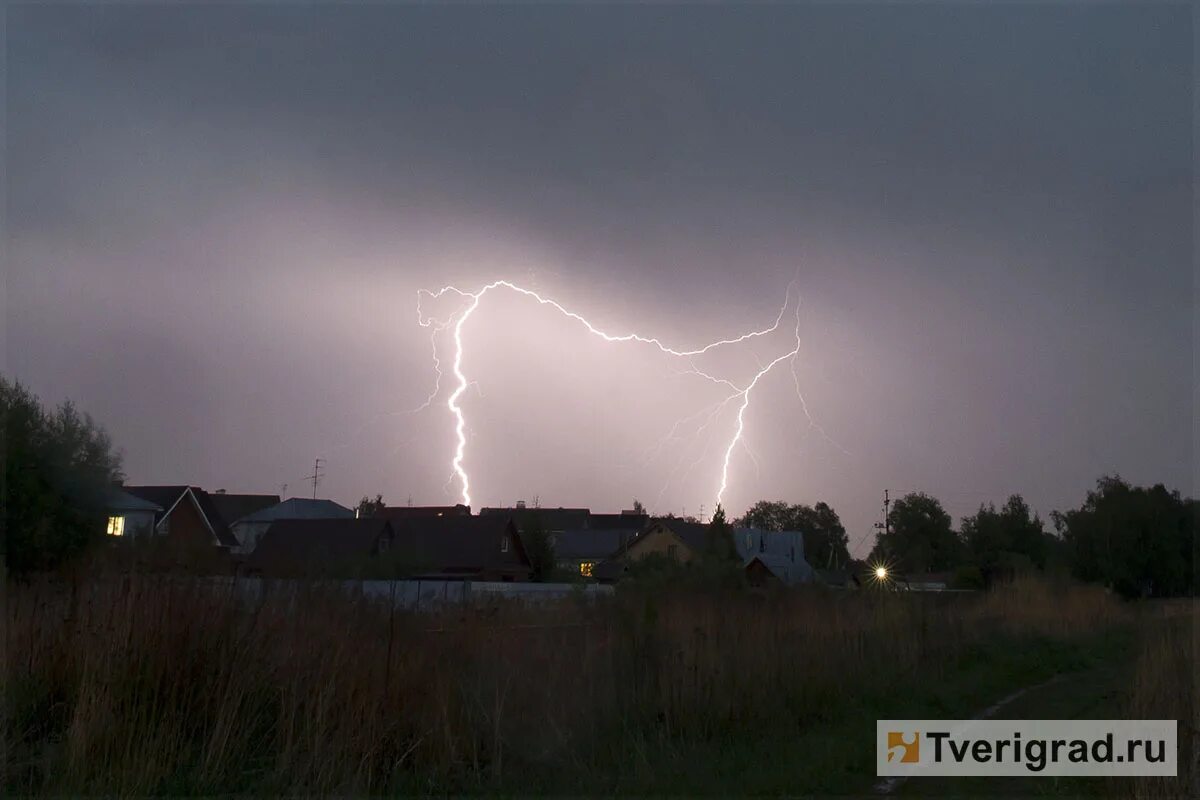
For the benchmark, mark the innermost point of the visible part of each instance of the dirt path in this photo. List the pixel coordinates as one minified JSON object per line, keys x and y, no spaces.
{"x":1099,"y":692}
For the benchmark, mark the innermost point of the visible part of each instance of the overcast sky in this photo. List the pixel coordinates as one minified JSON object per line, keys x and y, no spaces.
{"x":219,"y":218}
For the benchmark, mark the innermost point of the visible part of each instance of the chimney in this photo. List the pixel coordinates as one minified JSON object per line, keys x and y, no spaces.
{"x":521,"y":504}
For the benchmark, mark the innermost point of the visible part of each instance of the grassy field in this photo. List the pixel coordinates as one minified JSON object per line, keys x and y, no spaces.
{"x":149,"y":686}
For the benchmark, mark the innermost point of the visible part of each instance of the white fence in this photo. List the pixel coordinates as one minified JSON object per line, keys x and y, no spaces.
{"x":426,"y":594}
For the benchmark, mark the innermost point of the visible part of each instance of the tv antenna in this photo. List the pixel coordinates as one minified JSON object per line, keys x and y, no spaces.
{"x":316,"y":476}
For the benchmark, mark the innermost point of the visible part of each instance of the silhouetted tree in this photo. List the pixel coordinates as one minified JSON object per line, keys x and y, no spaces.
{"x":1008,"y":538}
{"x":1136,"y":540}
{"x":370,"y":508}
{"x":59,"y":468}
{"x":826,"y":543}
{"x":718,"y":544}
{"x":921,"y":538}
{"x":638,"y":508}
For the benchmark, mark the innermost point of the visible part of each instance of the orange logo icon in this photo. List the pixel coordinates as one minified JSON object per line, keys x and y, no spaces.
{"x":904,"y":747}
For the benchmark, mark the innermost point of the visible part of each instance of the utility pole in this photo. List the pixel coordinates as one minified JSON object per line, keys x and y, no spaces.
{"x":316,"y":476}
{"x":886,"y":525}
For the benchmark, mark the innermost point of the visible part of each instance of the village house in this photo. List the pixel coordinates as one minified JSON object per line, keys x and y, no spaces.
{"x":766,"y":556}
{"x":249,"y":529}
{"x":773,"y":556}
{"x":327,"y":548}
{"x":421,"y":547}
{"x":551,"y":520}
{"x":484,"y":548}
{"x":192,"y":518}
{"x":397,"y":513}
{"x":579,"y":550}
{"x":129,"y":515}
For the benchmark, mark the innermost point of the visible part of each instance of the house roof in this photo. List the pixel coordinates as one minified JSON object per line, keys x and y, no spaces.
{"x":551,"y":519}
{"x":300,"y":543}
{"x":232,"y":507}
{"x":162,"y":496}
{"x":407,"y":512}
{"x":622,"y":521}
{"x":299,"y":508}
{"x":787,"y":571}
{"x":461,"y":543}
{"x":591,"y":545}
{"x":120,"y":500}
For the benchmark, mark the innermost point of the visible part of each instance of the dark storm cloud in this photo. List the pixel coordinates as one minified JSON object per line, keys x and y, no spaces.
{"x":989,"y":209}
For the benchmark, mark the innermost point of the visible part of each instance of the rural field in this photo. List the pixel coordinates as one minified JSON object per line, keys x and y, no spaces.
{"x":157,"y":686}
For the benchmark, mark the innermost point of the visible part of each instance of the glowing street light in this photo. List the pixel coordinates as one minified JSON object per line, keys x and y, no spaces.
{"x":881,"y":573}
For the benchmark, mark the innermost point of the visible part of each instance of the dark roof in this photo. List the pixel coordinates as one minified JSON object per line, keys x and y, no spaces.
{"x":452,"y":544}
{"x":162,"y":496}
{"x":119,"y":500}
{"x":551,"y":519}
{"x":622,"y":521}
{"x":407,"y":512}
{"x":693,"y":534}
{"x":296,"y":544}
{"x":590,"y":545}
{"x":299,"y":508}
{"x":233,"y":507}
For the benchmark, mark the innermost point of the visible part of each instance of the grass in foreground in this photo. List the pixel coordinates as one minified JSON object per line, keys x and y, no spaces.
{"x":171,"y":686}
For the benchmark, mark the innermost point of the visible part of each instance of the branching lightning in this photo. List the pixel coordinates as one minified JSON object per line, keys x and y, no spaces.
{"x":457,"y":321}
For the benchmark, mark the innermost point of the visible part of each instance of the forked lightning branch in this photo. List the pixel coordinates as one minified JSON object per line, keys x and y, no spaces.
{"x":739,"y":394}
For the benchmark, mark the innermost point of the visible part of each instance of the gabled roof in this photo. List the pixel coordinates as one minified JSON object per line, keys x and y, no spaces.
{"x":693,"y":534}
{"x":787,"y":571}
{"x":212,"y":507}
{"x":460,"y":543}
{"x":299,"y":508}
{"x":297,"y":544}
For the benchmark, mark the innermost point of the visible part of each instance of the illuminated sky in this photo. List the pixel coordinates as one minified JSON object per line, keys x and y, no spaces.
{"x":219,"y":218}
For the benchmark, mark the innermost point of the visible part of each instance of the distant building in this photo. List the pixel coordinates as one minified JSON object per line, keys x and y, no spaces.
{"x":191,"y":517}
{"x":129,"y":515}
{"x":331,"y":548}
{"x":773,"y":556}
{"x":551,"y":520}
{"x":395,"y":513}
{"x":249,"y":529}
{"x":485,"y":548}
{"x":580,"y":551}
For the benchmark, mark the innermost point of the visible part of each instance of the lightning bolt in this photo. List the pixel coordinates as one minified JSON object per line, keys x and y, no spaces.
{"x":457,"y":321}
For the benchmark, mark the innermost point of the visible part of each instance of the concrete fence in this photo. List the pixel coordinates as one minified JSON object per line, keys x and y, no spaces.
{"x":422,"y":594}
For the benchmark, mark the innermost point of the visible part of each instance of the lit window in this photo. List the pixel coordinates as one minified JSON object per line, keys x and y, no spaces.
{"x":585,"y":568}
{"x":504,"y":544}
{"x":116,"y":526}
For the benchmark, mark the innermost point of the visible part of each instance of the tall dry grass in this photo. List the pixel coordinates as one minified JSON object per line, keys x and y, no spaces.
{"x":1166,"y":685}
{"x":155,"y":685}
